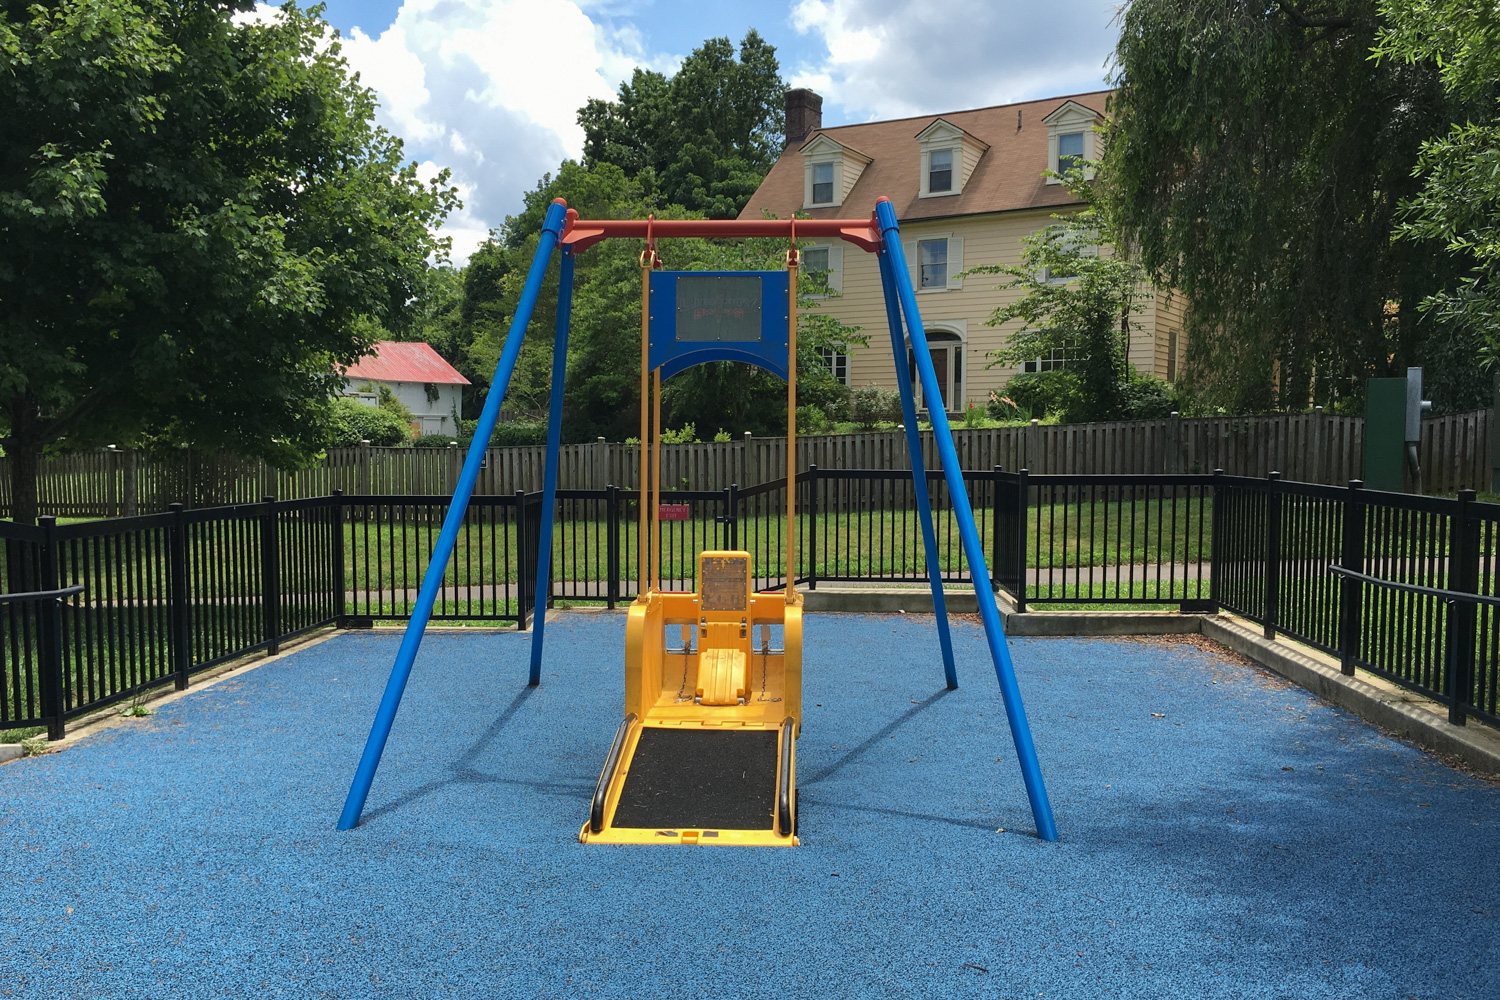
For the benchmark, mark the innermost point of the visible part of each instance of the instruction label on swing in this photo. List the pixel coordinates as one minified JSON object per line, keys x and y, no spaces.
{"x":718,"y":307}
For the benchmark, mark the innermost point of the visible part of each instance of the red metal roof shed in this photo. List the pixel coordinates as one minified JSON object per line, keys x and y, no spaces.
{"x":405,"y":361}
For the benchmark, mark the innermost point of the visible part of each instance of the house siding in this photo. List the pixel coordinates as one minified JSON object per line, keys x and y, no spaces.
{"x":988,"y":239}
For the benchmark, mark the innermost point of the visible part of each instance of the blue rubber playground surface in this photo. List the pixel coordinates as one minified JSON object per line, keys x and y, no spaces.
{"x":1224,"y":835}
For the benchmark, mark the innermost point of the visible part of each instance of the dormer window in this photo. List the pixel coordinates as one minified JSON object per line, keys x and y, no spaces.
{"x":830,"y":171}
{"x":1069,"y":151}
{"x":949,"y":155}
{"x":822,"y":184}
{"x":1071,"y":139}
{"x":940,"y":170}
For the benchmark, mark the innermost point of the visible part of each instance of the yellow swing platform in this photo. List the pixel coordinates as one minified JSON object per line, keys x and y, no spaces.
{"x":706,"y":752}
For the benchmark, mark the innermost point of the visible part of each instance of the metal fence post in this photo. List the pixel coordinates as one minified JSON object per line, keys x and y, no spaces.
{"x":1216,"y":541}
{"x":1023,"y":504}
{"x":340,"y":585}
{"x":270,"y":575}
{"x":995,"y":534}
{"x":177,"y":544}
{"x":1463,"y":575}
{"x":1351,"y":592}
{"x":612,"y":542}
{"x":523,"y":560}
{"x":732,"y":514}
{"x":53,"y":681}
{"x":811,"y":534}
{"x":1273,"y":554}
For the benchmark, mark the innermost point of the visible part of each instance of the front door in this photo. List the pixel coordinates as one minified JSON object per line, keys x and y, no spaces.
{"x":940,"y":368}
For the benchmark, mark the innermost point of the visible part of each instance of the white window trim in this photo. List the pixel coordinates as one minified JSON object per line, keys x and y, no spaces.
{"x":835,"y":267}
{"x":838,"y":181}
{"x":913,"y":249}
{"x":956,"y":171}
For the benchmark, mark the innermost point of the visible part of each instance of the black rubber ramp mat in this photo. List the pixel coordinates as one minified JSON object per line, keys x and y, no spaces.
{"x":700,"y":779}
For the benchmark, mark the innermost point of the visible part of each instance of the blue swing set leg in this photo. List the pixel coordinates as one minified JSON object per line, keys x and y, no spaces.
{"x":549,"y":480}
{"x":442,"y":550}
{"x":894,"y":273}
{"x":918,"y":469}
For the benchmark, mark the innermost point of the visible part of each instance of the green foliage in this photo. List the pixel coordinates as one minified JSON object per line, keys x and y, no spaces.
{"x":686,"y":434}
{"x":701,"y":140}
{"x":1041,"y":394}
{"x":20,"y":735}
{"x":1255,"y":161}
{"x":811,"y":420}
{"x":872,"y":404}
{"x":35,"y":747}
{"x":507,"y":435}
{"x":1458,"y":204}
{"x":201,"y":221}
{"x":1074,"y":300}
{"x":434,"y":441}
{"x":350,"y":422}
{"x":1145,"y":398}
{"x":721,"y":435}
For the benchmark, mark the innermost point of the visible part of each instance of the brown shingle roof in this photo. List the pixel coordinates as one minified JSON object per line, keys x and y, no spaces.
{"x":1007,"y":177}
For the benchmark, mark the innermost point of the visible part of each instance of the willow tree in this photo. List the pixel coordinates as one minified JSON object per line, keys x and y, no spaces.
{"x":1257,"y":159}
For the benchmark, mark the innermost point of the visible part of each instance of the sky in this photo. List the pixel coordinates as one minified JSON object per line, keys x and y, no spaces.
{"x":490,"y":88}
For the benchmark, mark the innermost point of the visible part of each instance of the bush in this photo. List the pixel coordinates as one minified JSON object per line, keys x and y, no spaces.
{"x":1145,"y":398}
{"x":351,"y":422}
{"x":811,"y":420}
{"x":871,"y":404}
{"x":1038,"y":394}
{"x":686,"y":434}
{"x":434,"y":441}
{"x":508,"y":435}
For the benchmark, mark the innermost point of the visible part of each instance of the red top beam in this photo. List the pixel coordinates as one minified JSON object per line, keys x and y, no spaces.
{"x":582,"y":233}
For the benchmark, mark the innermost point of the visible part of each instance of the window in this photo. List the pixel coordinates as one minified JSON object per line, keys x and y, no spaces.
{"x":815,"y":259}
{"x":940,"y":170}
{"x":1172,"y":356}
{"x":838,"y":364}
{"x":1054,"y":360}
{"x":933,"y":257}
{"x":822,"y":187}
{"x":1069,"y":151}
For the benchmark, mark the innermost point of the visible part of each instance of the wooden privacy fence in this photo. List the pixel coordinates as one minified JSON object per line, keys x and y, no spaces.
{"x":1306,"y":447}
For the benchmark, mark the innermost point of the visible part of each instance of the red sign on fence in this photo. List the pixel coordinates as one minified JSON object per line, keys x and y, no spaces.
{"x":672,"y":511}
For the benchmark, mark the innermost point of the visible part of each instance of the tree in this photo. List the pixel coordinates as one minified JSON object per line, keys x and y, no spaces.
{"x":701,"y":140}
{"x":1077,"y":303}
{"x":200,"y":222}
{"x":1459,"y":201}
{"x":1255,"y":161}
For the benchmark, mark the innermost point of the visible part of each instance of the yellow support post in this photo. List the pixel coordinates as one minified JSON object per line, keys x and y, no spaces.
{"x":648,"y":261}
{"x":793,"y":259}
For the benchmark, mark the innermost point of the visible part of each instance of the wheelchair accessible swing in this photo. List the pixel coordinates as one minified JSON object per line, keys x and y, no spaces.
{"x":706,"y":751}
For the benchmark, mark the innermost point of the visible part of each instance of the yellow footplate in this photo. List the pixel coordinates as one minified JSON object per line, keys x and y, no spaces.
{"x":696,"y":785}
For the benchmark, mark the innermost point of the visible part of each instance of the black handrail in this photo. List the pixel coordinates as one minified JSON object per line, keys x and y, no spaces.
{"x":41,"y":595}
{"x":1415,"y":588}
{"x":607,"y":776}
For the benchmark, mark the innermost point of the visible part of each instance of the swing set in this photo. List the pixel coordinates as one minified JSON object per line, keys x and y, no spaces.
{"x":706,"y":750}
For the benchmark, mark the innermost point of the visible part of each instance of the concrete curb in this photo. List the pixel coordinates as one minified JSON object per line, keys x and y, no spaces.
{"x":9,"y":752}
{"x":915,"y":600}
{"x":1373,"y":699}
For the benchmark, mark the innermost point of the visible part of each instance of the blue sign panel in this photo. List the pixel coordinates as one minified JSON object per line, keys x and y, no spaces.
{"x":699,"y":316}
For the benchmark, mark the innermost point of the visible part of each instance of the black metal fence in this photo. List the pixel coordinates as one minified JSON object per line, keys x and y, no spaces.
{"x":168,"y":595}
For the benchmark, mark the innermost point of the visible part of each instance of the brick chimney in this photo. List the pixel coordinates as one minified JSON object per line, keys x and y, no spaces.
{"x":804,"y":115}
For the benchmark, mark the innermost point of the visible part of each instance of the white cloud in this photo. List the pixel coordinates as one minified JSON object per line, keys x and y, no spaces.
{"x":491,"y":89}
{"x":890,"y":58}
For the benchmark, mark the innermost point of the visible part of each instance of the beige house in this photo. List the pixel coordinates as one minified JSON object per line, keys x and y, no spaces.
{"x":966,"y":186}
